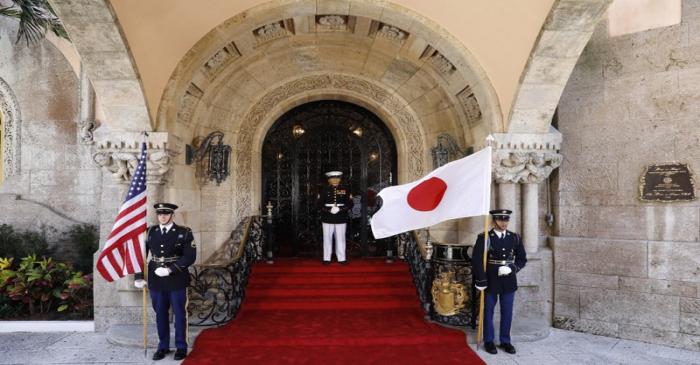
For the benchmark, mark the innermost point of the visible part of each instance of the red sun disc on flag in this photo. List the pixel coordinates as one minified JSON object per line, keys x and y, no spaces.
{"x":427,"y":195}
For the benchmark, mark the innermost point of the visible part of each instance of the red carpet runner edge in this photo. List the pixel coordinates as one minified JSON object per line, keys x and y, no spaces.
{"x":301,"y":312}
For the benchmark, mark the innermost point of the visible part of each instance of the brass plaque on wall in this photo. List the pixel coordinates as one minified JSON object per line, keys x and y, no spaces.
{"x":670,"y":182}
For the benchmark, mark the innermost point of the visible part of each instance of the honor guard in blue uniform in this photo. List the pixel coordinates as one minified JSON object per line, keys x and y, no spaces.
{"x":506,"y":256}
{"x":172,"y":251}
{"x":334,"y":201}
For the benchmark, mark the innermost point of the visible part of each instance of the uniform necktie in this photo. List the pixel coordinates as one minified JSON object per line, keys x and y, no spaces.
{"x":163,"y":230}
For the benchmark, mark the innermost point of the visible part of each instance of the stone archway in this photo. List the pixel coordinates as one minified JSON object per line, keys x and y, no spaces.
{"x":402,"y":122}
{"x":11,"y":119}
{"x":305,"y":143}
{"x":408,"y":53}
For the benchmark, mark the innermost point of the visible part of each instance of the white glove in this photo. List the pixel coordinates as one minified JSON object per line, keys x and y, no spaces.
{"x":504,"y":271}
{"x":480,"y":288}
{"x":162,"y":271}
{"x":140,"y":283}
{"x":335,"y":209}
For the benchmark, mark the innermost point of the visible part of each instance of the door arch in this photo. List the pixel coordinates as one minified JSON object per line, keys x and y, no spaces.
{"x":300,"y":147}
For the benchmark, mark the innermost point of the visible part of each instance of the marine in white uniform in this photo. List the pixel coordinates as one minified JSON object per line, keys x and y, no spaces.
{"x":334,"y":201}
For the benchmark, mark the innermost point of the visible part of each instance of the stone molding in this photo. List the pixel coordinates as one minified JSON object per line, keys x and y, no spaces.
{"x":525,"y":158}
{"x":9,"y":108}
{"x":335,"y":84}
{"x":118,"y":156}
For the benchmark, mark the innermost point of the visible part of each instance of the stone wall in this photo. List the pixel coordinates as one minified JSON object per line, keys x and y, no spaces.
{"x":624,"y":268}
{"x":56,"y":183}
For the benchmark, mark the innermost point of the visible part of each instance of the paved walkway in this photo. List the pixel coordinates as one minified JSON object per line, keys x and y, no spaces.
{"x":561,"y":347}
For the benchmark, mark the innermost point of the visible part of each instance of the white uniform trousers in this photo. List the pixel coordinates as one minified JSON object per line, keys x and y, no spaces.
{"x":339,"y":230}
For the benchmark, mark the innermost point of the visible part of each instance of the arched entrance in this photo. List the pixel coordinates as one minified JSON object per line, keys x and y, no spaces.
{"x":300,"y":147}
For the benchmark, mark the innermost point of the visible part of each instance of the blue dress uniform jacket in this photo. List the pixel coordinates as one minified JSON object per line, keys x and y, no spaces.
{"x":509,"y":248}
{"x":176,"y":250}
{"x":334,"y":195}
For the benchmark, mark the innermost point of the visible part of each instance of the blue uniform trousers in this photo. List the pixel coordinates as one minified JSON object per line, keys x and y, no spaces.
{"x":506,"y":315}
{"x":162,"y":300}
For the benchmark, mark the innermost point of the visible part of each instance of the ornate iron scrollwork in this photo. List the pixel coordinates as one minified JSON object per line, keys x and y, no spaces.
{"x":219,"y":156}
{"x":420,"y":269}
{"x":217,"y":287}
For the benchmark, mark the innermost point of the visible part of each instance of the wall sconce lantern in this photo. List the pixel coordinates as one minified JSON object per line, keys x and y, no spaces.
{"x":298,"y":131}
{"x":448,"y":149}
{"x":373,"y":156}
{"x":219,"y":156}
{"x":280,"y":156}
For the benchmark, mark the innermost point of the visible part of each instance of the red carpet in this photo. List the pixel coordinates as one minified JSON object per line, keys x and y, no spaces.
{"x":301,"y":312}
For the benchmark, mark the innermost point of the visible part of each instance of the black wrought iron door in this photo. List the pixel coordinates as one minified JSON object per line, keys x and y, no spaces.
{"x":305,"y":143}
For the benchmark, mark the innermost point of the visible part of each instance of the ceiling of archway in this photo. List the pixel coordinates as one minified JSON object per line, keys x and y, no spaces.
{"x":159,"y":33}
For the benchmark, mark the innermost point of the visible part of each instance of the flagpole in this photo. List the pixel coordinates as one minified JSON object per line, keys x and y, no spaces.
{"x":145,"y":275}
{"x":145,"y":327}
{"x":480,"y":331}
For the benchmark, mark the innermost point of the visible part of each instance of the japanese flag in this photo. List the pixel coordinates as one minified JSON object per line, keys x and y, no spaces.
{"x":461,"y":188}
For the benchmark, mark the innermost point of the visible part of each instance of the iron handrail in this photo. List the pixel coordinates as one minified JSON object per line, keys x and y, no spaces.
{"x":216,"y":289}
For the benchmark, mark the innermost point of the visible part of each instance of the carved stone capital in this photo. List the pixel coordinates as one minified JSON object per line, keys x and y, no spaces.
{"x":525,"y":158}
{"x":118,"y":155}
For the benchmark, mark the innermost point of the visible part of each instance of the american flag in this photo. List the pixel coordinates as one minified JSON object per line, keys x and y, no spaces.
{"x":122,"y":253}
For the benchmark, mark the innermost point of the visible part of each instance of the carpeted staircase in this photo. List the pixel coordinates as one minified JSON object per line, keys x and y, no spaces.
{"x":301,"y":312}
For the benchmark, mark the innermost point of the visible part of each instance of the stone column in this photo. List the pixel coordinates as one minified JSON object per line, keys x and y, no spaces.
{"x":531,"y":222}
{"x":524,"y":160}
{"x":507,"y":199}
{"x":117,"y":154}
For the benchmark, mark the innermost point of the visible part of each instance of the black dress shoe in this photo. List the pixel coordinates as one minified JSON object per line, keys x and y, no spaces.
{"x":343,"y":262}
{"x":507,"y":348}
{"x":160,"y":354}
{"x":326,"y":262}
{"x":490,"y":348}
{"x":180,"y":354}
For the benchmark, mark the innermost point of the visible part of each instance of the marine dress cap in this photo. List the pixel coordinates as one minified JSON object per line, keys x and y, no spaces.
{"x":501,"y":213}
{"x":334,"y":174}
{"x":165,"y":208}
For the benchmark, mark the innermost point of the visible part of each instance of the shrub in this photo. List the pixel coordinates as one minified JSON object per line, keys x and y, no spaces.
{"x":80,"y":242}
{"x":21,"y":244}
{"x":41,"y":286}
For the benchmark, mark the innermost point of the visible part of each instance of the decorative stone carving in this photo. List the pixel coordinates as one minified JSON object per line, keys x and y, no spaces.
{"x":120,"y":157}
{"x":220,"y":59}
{"x":86,"y":131}
{"x":525,"y":158}
{"x":335,"y":22}
{"x":470,"y":105}
{"x":272,"y":31}
{"x":188,"y":103}
{"x":378,"y":29}
{"x":524,"y":167}
{"x":437,"y":60}
{"x":393,"y":33}
{"x":335,"y":84}
{"x":9,"y":108}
